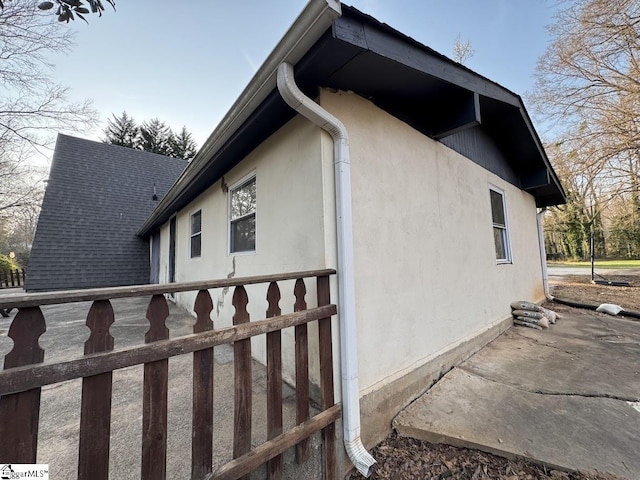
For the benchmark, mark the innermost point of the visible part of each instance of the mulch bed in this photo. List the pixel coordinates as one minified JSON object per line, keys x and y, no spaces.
{"x":402,"y":458}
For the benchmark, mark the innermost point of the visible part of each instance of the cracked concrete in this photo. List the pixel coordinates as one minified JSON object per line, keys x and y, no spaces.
{"x":565,"y":397}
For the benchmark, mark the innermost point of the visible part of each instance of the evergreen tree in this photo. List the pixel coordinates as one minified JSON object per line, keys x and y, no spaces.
{"x":122,"y":131}
{"x":152,"y":136}
{"x":155,"y":137}
{"x":183,"y":145}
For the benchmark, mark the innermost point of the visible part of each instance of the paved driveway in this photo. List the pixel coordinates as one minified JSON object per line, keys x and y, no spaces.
{"x":567,"y":397}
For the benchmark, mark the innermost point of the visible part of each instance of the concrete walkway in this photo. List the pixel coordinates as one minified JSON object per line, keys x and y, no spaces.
{"x":567,"y":397}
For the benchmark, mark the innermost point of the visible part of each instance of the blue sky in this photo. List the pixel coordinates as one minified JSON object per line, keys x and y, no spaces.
{"x":186,"y":62}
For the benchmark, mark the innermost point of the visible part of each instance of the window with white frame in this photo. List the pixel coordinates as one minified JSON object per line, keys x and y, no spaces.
{"x":242,"y":216}
{"x":500,"y":227}
{"x":196,"y":234}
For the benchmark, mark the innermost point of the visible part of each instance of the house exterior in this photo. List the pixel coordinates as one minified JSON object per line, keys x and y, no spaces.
{"x":446,"y":178}
{"x":97,"y":197}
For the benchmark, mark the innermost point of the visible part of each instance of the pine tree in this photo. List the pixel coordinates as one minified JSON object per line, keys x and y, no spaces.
{"x":152,"y":136}
{"x":122,"y":131}
{"x":155,"y":137}
{"x":183,"y":145}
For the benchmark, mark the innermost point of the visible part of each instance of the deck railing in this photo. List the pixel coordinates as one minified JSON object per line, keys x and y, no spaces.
{"x":11,"y":278}
{"x":25,"y":373}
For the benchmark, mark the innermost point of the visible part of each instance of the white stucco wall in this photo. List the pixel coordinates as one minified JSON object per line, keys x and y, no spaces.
{"x":426,"y":273}
{"x":290,"y":231}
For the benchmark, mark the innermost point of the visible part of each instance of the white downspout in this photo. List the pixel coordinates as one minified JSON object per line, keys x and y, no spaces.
{"x":302,"y":104}
{"x":543,"y":254}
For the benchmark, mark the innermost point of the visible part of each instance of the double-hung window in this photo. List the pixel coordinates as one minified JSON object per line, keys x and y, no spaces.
{"x":500,"y":227}
{"x":196,"y":234}
{"x":242,"y":216}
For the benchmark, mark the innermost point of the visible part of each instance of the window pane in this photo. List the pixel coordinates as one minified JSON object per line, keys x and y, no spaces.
{"x":497,"y":208}
{"x":500,"y":239}
{"x":243,"y":235}
{"x":243,"y":199}
{"x":196,"y":245}
{"x":196,"y":222}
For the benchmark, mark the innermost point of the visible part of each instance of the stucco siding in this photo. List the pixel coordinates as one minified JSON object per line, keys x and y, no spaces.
{"x":290,"y":226}
{"x":425,"y":267}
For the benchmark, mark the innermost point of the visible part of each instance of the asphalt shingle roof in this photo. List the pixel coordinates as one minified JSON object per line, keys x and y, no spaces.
{"x":97,"y":198}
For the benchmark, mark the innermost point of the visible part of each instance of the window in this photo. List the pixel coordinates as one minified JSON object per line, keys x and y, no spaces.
{"x":500,"y":232}
{"x":242,"y":216}
{"x":196,"y":234}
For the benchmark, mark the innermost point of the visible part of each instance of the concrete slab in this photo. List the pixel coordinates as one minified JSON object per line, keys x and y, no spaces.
{"x":563,"y":397}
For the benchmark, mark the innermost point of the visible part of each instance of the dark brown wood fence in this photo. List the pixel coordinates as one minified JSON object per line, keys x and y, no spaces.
{"x":25,"y":373}
{"x":12,"y":278}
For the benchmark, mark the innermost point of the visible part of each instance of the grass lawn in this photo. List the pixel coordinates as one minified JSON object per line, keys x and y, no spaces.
{"x":599,"y":264}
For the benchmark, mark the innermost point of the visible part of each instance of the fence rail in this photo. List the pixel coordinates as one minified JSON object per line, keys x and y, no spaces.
{"x":25,"y":373}
{"x":12,"y":278}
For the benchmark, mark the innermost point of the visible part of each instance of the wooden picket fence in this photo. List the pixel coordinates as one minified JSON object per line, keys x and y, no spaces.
{"x":12,"y":278}
{"x":25,"y":374}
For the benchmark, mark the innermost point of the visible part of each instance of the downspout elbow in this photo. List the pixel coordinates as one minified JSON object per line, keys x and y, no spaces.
{"x":306,"y":107}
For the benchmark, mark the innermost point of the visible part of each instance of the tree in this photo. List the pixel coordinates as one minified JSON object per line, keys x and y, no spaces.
{"x":588,"y":89}
{"x":569,"y":227}
{"x":122,"y":131}
{"x":155,"y":137}
{"x":31,"y":102}
{"x":67,"y":8}
{"x":183,"y":145}
{"x":462,"y":51}
{"x":32,"y":105}
{"x":152,"y":136}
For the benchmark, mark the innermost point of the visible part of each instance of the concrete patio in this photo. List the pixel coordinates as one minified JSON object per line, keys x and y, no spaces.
{"x":566,"y":397}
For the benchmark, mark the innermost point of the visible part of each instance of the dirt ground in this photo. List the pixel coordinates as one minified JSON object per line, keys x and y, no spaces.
{"x":579,"y":288}
{"x":401,"y":458}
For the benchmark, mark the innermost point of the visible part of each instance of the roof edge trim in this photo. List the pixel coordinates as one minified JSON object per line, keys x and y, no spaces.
{"x":308,"y":27}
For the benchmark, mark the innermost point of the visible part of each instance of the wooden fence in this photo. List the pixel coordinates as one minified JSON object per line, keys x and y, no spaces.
{"x":25,"y":373}
{"x":12,"y":278}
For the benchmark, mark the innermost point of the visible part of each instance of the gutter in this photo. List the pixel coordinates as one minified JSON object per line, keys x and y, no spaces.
{"x":306,"y":107}
{"x":306,"y":30}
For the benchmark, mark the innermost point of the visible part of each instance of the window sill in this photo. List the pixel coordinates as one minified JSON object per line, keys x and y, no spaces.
{"x":241,"y":254}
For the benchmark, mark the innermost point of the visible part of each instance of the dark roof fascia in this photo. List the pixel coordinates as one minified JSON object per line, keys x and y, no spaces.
{"x":367,"y":32}
{"x":360,"y":29}
{"x":544,"y":201}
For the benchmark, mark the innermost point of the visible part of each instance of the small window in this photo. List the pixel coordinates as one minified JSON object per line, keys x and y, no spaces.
{"x":196,"y":234}
{"x":242,"y":217}
{"x":500,"y":232}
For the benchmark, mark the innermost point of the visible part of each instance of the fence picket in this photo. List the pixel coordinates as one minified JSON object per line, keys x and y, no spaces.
{"x":95,"y":411}
{"x":326,"y":378}
{"x":242,"y":379}
{"x":202,"y":416}
{"x":20,"y":412}
{"x":303,"y":449}
{"x":154,"y":396}
{"x":274,"y":381}
{"x":12,"y":277}
{"x":25,"y":374}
